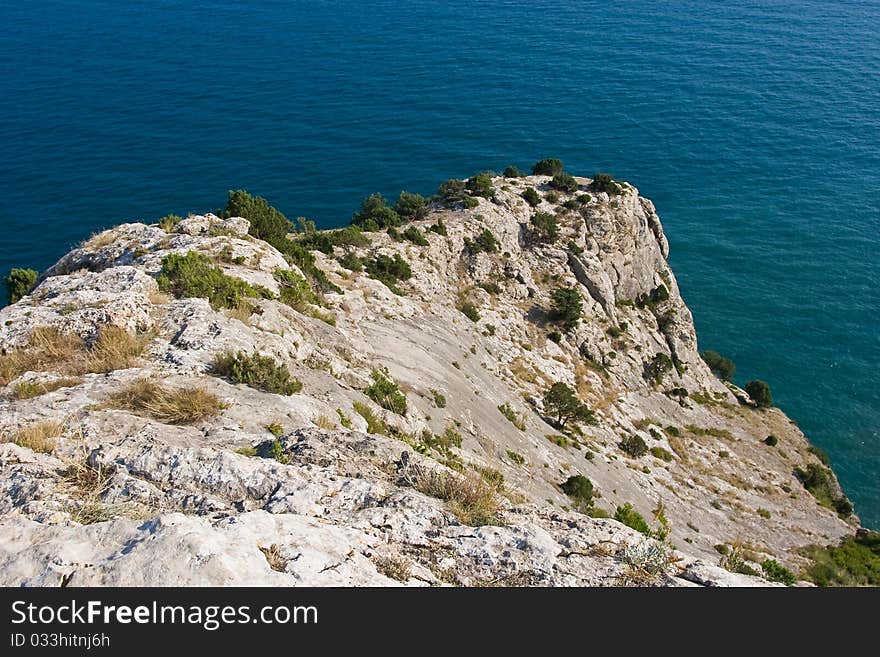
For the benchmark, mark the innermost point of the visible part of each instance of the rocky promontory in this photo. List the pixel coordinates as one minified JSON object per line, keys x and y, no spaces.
{"x":500,"y":385}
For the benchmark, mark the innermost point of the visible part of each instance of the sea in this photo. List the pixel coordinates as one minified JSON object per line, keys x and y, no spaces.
{"x":754,"y":126}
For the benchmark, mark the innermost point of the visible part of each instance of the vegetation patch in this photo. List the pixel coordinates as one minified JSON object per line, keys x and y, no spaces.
{"x":722,"y":367}
{"x":19,"y":283}
{"x":195,"y":275}
{"x":484,"y":242}
{"x":759,"y":392}
{"x":580,"y":489}
{"x":375,"y":424}
{"x":470,"y":498}
{"x":257,"y":371}
{"x":31,"y":389}
{"x":604,"y":182}
{"x":634,"y":446}
{"x":564,"y":182}
{"x":567,"y":307}
{"x":662,"y":454}
{"x":854,"y":562}
{"x":515,"y":418}
{"x":386,"y":393}
{"x":151,"y":398}
{"x":776,"y":572}
{"x":549,"y":166}
{"x":532,"y":197}
{"x":389,"y":270}
{"x":270,"y":225}
{"x":818,"y":481}
{"x":563,"y":405}
{"x":50,"y":350}
{"x":38,"y":436}
{"x":545,"y":227}
{"x":295,"y":290}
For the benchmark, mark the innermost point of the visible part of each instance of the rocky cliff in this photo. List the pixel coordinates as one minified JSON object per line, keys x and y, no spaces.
{"x":180,"y":407}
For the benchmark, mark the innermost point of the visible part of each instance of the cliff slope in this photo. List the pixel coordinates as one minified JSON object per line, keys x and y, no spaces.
{"x":412,"y":442}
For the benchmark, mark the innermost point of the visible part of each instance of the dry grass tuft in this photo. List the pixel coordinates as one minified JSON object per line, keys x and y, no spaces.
{"x":394,"y":568}
{"x":325,"y":422}
{"x":166,"y":404}
{"x":51,"y":350}
{"x":40,"y":437}
{"x":274,"y":558}
{"x":470,"y":498}
{"x":88,"y":484}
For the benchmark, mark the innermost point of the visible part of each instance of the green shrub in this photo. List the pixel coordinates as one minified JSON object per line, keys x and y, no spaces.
{"x":515,"y":418}
{"x":531,"y":196}
{"x":552,"y":197}
{"x":295,"y":290}
{"x":485,"y":242}
{"x":764,"y":513}
{"x":662,"y":454}
{"x":579,"y":489}
{"x":563,"y":405}
{"x":350,"y":261}
{"x":820,"y":454}
{"x":349,"y":236}
{"x":627,"y":515}
{"x":375,"y":214}
{"x":256,"y":371}
{"x":169,"y":222}
{"x":268,"y":224}
{"x":547,"y":167}
{"x":658,"y":367}
{"x":854,"y":562}
{"x":491,"y":287}
{"x":564,"y":182}
{"x":469,"y":310}
{"x":634,"y":446}
{"x":818,"y":481}
{"x":776,"y":572}
{"x":195,"y":275}
{"x":481,"y":185}
{"x":759,"y":392}
{"x":517,"y":458}
{"x":415,"y":236}
{"x":554,"y":336}
{"x":723,"y":367}
{"x":545,"y":227}
{"x":315,"y":241}
{"x":567,"y":307}
{"x":512,"y":172}
{"x":275,"y":429}
{"x":385,"y":392}
{"x":603,"y":182}
{"x":771,"y":440}
{"x":439,"y":228}
{"x":454,"y":192}
{"x":20,"y":282}
{"x":653,"y":298}
{"x":410,"y":206}
{"x":375,"y":424}
{"x":389,"y":270}
{"x":438,"y":398}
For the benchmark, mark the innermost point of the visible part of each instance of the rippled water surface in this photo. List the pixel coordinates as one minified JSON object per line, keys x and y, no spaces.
{"x":754,"y":126}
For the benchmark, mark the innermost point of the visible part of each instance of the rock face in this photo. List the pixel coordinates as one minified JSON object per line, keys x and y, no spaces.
{"x":325,"y":486}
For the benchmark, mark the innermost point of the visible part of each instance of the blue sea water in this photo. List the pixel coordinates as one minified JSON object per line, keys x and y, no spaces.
{"x":754,"y":126}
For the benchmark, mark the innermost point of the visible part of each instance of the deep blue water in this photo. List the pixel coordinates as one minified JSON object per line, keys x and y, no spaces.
{"x":754,"y":126}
